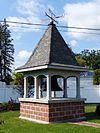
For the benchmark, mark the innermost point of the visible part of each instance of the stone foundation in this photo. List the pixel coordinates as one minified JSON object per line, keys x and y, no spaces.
{"x":52,"y":111}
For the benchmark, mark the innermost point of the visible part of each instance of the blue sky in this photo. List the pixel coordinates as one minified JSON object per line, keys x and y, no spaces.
{"x":80,"y":13}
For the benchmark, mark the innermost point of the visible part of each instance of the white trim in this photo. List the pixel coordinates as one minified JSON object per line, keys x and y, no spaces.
{"x":72,"y":68}
{"x":35,"y":88}
{"x":34,"y":120}
{"x":48,"y":87}
{"x":55,"y":66}
{"x":45,"y":122}
{"x":53,"y":100}
{"x":25,"y":87}
{"x":31,"y":69}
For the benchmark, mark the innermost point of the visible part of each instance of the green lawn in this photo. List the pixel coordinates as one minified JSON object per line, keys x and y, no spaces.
{"x":12,"y":124}
{"x":90,"y":113}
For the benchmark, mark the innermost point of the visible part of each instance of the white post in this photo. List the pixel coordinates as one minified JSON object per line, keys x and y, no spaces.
{"x":53,"y":94}
{"x":48,"y":87}
{"x":65,"y":88}
{"x":39,"y":85}
{"x":78,"y":87}
{"x":35,"y":88}
{"x":25,"y":87}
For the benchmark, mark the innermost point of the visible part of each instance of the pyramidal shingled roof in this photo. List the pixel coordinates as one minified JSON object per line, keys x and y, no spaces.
{"x":51,"y":49}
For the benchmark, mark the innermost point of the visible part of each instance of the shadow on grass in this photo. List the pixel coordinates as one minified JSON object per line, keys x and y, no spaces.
{"x":92,"y":116}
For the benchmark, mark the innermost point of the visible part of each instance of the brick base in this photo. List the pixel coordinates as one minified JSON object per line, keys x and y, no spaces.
{"x":52,"y":112}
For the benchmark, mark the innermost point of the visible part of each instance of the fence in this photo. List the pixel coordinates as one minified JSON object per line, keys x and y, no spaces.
{"x":88,"y":90}
{"x":7,"y":92}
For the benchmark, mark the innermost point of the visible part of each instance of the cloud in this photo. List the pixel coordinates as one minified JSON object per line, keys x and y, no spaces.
{"x":29,"y":7}
{"x":29,"y":12}
{"x":73,"y":43}
{"x":23,"y":54}
{"x":82,"y":14}
{"x":21,"y":57}
{"x":23,"y":28}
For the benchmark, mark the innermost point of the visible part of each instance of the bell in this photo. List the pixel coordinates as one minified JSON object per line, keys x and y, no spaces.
{"x":54,"y":84}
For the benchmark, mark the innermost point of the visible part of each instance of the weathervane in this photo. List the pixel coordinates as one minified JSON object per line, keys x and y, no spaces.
{"x":52,"y":16}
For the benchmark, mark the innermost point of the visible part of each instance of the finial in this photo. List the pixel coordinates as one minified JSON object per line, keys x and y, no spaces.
{"x":51,"y":23}
{"x":52,"y":17}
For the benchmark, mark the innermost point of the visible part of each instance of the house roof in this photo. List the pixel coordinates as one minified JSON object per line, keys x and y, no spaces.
{"x":51,"y":49}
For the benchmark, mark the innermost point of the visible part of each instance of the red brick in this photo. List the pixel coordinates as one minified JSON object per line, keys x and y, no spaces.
{"x":32,"y":116}
{"x":28,"y":107}
{"x":52,"y":109}
{"x":81,"y":107}
{"x":38,"y":117}
{"x":50,"y":115}
{"x":58,"y":109}
{"x":32,"y":108}
{"x":62,"y":113}
{"x":52,"y":119}
{"x":74,"y":112}
{"x":26,"y":111}
{"x":46,"y":115}
{"x":55,"y":114}
{"x":68,"y":113}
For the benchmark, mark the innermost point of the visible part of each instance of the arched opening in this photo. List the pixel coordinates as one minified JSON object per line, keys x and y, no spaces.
{"x":42,"y":86}
{"x":57,"y":86}
{"x":30,"y":86}
{"x":71,"y":86}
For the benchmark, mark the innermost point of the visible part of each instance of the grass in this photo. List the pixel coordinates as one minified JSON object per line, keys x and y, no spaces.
{"x":12,"y":124}
{"x":90,"y":113}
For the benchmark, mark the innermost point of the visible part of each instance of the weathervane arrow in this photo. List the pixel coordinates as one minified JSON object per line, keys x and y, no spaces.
{"x":52,"y":16}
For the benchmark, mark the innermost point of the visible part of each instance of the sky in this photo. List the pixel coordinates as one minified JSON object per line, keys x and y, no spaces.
{"x":78,"y":13}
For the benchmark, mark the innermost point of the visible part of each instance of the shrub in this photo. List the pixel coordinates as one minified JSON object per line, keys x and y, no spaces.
{"x":96,"y":77}
{"x":3,"y":107}
{"x":11,"y":105}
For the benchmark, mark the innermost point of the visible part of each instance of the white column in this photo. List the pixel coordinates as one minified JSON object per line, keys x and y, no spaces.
{"x":35,"y":88}
{"x":39,"y":85}
{"x":65,"y":88}
{"x":78,"y":87}
{"x":48,"y":87}
{"x":53,"y":94}
{"x":25,"y":87}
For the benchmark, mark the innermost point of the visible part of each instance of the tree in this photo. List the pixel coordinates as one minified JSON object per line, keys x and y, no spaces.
{"x":80,"y":60}
{"x":96,"y":64}
{"x":96,"y":77}
{"x":7,"y":53}
{"x":18,"y":80}
{"x":92,"y":58}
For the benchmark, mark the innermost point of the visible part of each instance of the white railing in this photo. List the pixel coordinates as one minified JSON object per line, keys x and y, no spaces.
{"x":88,"y":90}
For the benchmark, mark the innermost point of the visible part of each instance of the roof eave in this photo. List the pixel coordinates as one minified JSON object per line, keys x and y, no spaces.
{"x":69,"y":68}
{"x":31,"y":68}
{"x":54,"y":66}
